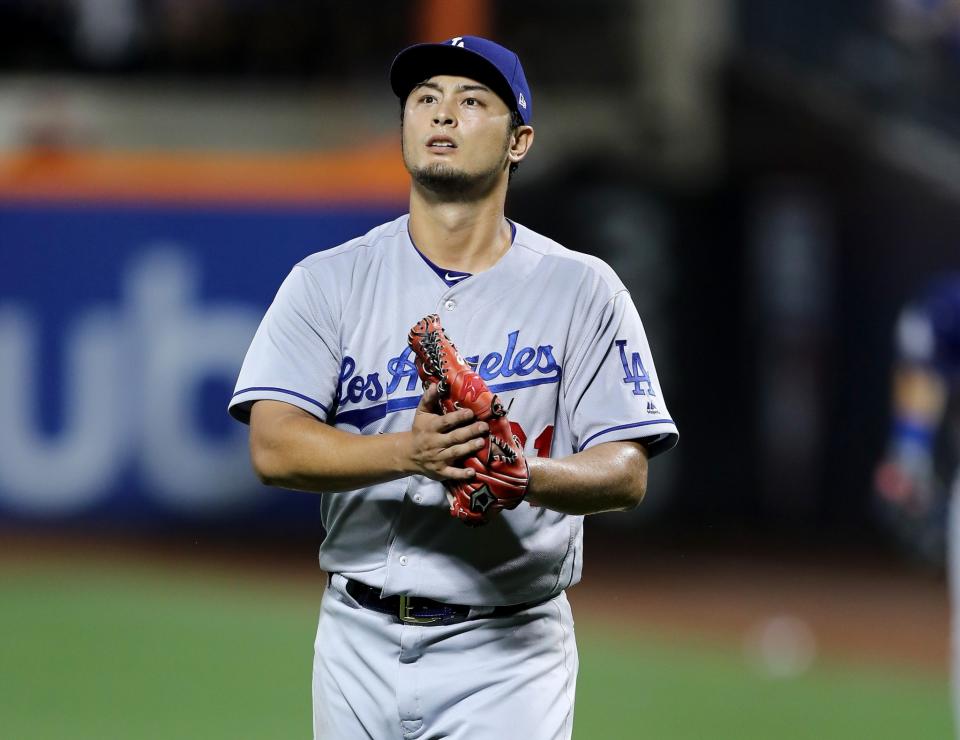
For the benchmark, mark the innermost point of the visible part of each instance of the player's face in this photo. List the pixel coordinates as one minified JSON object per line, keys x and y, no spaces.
{"x":456,"y":131}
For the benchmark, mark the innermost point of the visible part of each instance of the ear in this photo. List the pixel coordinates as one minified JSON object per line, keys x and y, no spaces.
{"x":520,"y":142}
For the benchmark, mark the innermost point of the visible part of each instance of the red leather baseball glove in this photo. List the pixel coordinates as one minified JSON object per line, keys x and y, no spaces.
{"x":502,"y":474}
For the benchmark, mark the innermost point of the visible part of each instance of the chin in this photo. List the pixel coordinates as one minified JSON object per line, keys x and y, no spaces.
{"x":451,"y":182}
{"x":443,"y":170}
{"x":439,"y":174}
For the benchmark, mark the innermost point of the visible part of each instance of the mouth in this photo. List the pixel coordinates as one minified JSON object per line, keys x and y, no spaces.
{"x":441,"y":144}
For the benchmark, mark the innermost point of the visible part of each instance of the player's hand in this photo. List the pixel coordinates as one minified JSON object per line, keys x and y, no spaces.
{"x":439,"y":441}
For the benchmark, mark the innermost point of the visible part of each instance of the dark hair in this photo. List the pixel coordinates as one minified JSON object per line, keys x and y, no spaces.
{"x":515,"y":122}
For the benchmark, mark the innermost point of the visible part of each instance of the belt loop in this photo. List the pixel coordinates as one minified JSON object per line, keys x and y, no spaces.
{"x":479,"y":611}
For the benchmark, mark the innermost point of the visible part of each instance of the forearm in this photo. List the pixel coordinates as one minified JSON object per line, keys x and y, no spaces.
{"x":292,"y":449}
{"x":305,"y":454}
{"x":607,"y":477}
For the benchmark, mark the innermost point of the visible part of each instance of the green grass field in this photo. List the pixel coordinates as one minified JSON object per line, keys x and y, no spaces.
{"x":139,"y":652}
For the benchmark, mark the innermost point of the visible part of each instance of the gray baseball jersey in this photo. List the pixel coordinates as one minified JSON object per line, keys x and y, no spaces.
{"x":552,"y":331}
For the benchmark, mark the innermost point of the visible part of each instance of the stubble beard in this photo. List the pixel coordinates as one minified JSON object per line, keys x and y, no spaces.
{"x":450,"y":184}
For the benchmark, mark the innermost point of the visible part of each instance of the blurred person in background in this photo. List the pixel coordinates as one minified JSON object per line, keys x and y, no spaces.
{"x":924,"y":443}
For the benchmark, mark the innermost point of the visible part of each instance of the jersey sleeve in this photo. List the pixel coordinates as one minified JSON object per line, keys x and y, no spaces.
{"x":295,"y":355}
{"x":611,"y":389}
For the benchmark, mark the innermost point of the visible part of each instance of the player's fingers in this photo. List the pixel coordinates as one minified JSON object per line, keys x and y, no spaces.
{"x":463,"y":450}
{"x":429,"y":406}
{"x":465,"y":434}
{"x":452,"y":473}
{"x":428,"y":400}
{"x":454,"y":419}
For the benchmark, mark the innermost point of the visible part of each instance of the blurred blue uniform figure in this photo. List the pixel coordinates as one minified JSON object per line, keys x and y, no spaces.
{"x":924,"y":441}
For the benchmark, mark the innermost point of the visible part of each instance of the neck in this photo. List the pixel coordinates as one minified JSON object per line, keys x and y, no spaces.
{"x":469,"y":236}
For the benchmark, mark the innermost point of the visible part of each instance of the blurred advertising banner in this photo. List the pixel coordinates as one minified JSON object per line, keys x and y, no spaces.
{"x":123,"y":324}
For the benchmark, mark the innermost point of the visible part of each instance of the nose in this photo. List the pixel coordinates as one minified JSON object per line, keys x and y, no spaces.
{"x":442,"y":116}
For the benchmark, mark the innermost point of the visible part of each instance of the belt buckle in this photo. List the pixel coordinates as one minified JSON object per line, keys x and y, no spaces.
{"x":405,"y":616}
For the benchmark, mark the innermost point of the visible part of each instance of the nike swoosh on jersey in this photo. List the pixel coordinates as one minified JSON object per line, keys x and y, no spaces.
{"x":453,"y":278}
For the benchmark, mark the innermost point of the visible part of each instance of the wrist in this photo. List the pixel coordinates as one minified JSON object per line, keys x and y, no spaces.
{"x":535,"y":479}
{"x":401,"y":461}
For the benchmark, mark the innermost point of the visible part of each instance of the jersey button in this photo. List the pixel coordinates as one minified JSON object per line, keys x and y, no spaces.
{"x":403,"y":560}
{"x":450,"y":305}
{"x":418,"y":498}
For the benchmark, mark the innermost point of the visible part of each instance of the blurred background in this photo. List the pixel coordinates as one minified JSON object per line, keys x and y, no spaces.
{"x":773,"y":180}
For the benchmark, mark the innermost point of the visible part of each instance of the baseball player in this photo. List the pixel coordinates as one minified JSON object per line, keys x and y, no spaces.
{"x":541,"y":405}
{"x":926,"y":375}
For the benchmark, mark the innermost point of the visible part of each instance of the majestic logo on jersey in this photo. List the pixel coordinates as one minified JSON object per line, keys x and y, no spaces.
{"x":518,"y":367}
{"x":634,"y":372}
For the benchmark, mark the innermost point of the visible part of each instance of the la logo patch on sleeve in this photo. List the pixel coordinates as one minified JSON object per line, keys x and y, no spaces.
{"x":634,"y":373}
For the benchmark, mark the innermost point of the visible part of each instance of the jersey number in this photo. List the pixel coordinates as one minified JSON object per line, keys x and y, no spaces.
{"x":541,"y":444}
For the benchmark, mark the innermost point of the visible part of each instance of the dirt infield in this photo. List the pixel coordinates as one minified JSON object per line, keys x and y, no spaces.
{"x":851,"y":607}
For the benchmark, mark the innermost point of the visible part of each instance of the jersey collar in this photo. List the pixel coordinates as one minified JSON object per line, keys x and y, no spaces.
{"x":452,"y":277}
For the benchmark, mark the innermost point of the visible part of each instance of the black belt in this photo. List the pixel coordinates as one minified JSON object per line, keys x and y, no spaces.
{"x":417,"y":610}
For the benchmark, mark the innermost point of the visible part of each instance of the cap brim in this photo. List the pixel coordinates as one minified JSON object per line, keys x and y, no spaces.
{"x":421,"y":62}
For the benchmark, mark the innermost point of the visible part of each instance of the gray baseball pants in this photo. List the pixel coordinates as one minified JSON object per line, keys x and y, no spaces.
{"x":483,"y":679}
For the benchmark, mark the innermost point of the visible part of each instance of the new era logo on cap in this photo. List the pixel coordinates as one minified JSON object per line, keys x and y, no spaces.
{"x":522,"y":101}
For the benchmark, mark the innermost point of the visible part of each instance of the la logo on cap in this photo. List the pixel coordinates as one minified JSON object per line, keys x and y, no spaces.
{"x":522,"y":101}
{"x":456,"y":41}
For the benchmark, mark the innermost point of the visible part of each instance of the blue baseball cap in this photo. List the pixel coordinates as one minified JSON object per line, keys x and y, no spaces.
{"x":467,"y":56}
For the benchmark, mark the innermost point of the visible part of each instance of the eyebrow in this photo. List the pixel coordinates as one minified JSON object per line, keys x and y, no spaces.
{"x":460,"y":88}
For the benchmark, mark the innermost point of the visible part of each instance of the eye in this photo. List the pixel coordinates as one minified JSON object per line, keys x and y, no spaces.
{"x":427,"y":98}
{"x":471,"y":102}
